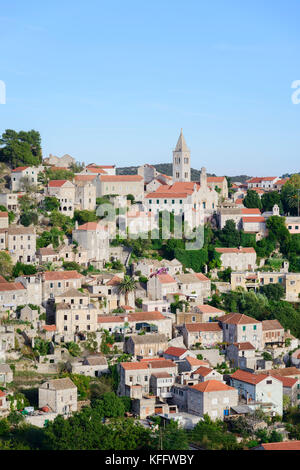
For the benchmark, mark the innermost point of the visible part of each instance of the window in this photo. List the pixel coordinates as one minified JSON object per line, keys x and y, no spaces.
{"x":269,"y":382}
{"x":244,"y":328}
{"x":65,"y":317}
{"x":254,"y":327}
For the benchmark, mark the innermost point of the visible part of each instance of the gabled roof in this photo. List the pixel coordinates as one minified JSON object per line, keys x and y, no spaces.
{"x":244,"y":346}
{"x":19,"y":169}
{"x":237,"y":319}
{"x":165,"y":279}
{"x":271,"y":325}
{"x":212,"y":386}
{"x":209,"y":309}
{"x":61,"y":275}
{"x":287,"y":445}
{"x":176,"y":352}
{"x":204,"y":371}
{"x":57,"y":183}
{"x":11,"y":286}
{"x":211,"y":326}
{"x":248,"y":377}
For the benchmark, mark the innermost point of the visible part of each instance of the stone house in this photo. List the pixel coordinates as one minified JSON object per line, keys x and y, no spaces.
{"x":6,"y":375}
{"x":10,"y":201}
{"x":161,"y":384}
{"x":64,"y":191}
{"x":94,"y":238}
{"x":136,"y":322}
{"x":60,"y":395}
{"x":12,"y":294}
{"x":106,"y":289}
{"x":85,"y":195}
{"x":208,"y":313}
{"x":204,"y":373}
{"x":72,"y":253}
{"x":21,"y":243}
{"x":272,"y":333}
{"x":241,"y":355}
{"x":47,"y":255}
{"x":18,"y":175}
{"x":135,"y":376}
{"x":211,"y":397}
{"x":75,"y":314}
{"x":33,"y":286}
{"x":206,"y":334}
{"x":219,"y":182}
{"x":236,"y":214}
{"x":63,"y":162}
{"x":147,"y":345}
{"x":238,"y":259}
{"x":158,"y":286}
{"x":194,"y":285}
{"x":259,"y":389}
{"x":239,"y":328}
{"x":122,"y":185}
{"x":151,"y":266}
{"x":176,"y":354}
{"x":92,"y":366}
{"x":3,"y":220}
{"x":55,"y":283}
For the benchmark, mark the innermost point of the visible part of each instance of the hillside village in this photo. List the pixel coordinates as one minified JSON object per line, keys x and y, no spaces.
{"x":103,"y":307}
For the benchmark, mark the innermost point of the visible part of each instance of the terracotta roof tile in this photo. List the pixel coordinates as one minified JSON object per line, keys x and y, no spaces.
{"x":212,"y":386}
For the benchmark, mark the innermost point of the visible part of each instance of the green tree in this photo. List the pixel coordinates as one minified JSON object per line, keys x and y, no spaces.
{"x":20,"y":148}
{"x":51,"y":203}
{"x":6,"y":265}
{"x":127,"y":285}
{"x":252,"y":200}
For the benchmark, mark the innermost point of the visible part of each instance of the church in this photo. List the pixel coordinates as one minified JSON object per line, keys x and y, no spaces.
{"x":198,"y":200}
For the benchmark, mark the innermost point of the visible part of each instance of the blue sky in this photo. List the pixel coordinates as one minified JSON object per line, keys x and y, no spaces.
{"x":113,"y":82}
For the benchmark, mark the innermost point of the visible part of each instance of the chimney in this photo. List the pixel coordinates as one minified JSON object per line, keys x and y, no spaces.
{"x":76,"y":225}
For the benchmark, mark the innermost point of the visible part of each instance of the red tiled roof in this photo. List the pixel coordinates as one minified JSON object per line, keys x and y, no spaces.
{"x":193,"y":361}
{"x":250,"y":211}
{"x":286,"y":381}
{"x":177,"y":352}
{"x":236,"y":250}
{"x":204,"y":371}
{"x":249,"y":220}
{"x":89,"y":226}
{"x":165,"y":278}
{"x":110,"y":319}
{"x":212,"y":386}
{"x":209,"y":309}
{"x":237,"y":319}
{"x":201,"y":277}
{"x":248,"y":377}
{"x":19,"y":169}
{"x":4,"y":214}
{"x":85,"y":177}
{"x":114,"y":281}
{"x":244,"y":346}
{"x":61,"y":275}
{"x":211,"y":326}
{"x":49,"y":327}
{"x":271,"y":325}
{"x":145,"y":316}
{"x":215,"y":179}
{"x":9,"y":286}
{"x":287,"y":445}
{"x":56,"y":183}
